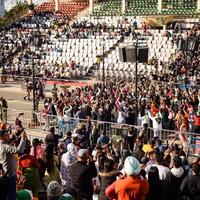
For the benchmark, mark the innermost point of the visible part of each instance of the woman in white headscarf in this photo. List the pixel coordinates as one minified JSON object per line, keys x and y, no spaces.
{"x":66,"y":160}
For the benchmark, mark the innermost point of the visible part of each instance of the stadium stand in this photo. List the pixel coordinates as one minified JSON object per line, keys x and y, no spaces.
{"x":108,"y":8}
{"x":70,"y":8}
{"x":146,"y":7}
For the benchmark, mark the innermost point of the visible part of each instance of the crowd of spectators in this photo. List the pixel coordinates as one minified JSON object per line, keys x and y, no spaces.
{"x":176,"y":107}
{"x":86,"y":164}
{"x":17,"y":40}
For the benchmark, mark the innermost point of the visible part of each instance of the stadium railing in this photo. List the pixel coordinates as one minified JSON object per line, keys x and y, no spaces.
{"x":63,"y":124}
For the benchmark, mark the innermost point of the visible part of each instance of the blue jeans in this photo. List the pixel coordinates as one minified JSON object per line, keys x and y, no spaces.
{"x":11,"y":195}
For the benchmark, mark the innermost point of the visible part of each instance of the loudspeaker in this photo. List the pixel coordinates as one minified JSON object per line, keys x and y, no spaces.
{"x":143,"y":54}
{"x":130,"y":54}
{"x":31,"y":6}
{"x":122,"y":54}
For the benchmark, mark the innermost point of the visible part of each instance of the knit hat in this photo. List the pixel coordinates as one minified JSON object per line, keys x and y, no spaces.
{"x":132,"y":166}
{"x":24,"y":195}
{"x":66,"y":196}
{"x":54,"y":189}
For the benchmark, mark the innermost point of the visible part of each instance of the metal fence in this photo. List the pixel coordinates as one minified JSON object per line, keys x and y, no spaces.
{"x":63,"y":125}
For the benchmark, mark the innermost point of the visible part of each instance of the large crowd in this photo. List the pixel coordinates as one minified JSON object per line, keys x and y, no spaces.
{"x":87,"y":162}
{"x":20,"y":50}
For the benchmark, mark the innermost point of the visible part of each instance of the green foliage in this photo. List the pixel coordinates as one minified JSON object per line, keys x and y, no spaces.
{"x":14,"y":14}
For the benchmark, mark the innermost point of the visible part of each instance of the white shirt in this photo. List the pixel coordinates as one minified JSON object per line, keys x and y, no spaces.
{"x":161,"y":169}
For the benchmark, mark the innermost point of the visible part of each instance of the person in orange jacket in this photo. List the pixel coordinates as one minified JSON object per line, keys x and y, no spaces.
{"x":132,"y":186}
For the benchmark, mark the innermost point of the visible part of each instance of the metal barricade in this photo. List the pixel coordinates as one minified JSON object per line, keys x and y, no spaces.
{"x":194,"y":145}
{"x":63,"y":125}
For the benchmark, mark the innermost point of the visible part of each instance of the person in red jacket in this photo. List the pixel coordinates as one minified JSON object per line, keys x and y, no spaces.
{"x":132,"y":186}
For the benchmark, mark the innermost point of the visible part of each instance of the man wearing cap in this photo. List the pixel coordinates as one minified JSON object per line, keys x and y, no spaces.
{"x":82,"y":173}
{"x":8,"y":162}
{"x":132,"y":186}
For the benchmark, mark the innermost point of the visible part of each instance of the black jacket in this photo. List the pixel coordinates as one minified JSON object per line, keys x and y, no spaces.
{"x":106,"y":179}
{"x":52,"y":138}
{"x":191,"y":187}
{"x":81,"y":178}
{"x":174,"y":180}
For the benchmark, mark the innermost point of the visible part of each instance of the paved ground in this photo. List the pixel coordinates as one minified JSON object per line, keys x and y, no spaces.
{"x":14,"y":96}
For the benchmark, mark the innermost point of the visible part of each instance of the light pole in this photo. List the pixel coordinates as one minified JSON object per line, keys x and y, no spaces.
{"x":34,"y":117}
{"x":36,"y":42}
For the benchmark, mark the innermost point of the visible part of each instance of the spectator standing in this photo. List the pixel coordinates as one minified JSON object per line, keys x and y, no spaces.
{"x":138,"y":153}
{"x":4,"y":108}
{"x":190,"y":186}
{"x":157,"y":123}
{"x":107,"y":177}
{"x":29,"y":87}
{"x":49,"y":162}
{"x":156,"y":186}
{"x":45,"y":115}
{"x":82,"y":173}
{"x":67,"y":159}
{"x":131,"y":187}
{"x":52,"y":137}
{"x":37,"y":150}
{"x":158,"y":163}
{"x":8,"y":162}
{"x":174,"y":179}
{"x":103,"y":139}
{"x":30,"y":170}
{"x":94,"y":137}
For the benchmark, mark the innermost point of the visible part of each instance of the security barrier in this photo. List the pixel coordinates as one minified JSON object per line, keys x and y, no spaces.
{"x":63,"y":124}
